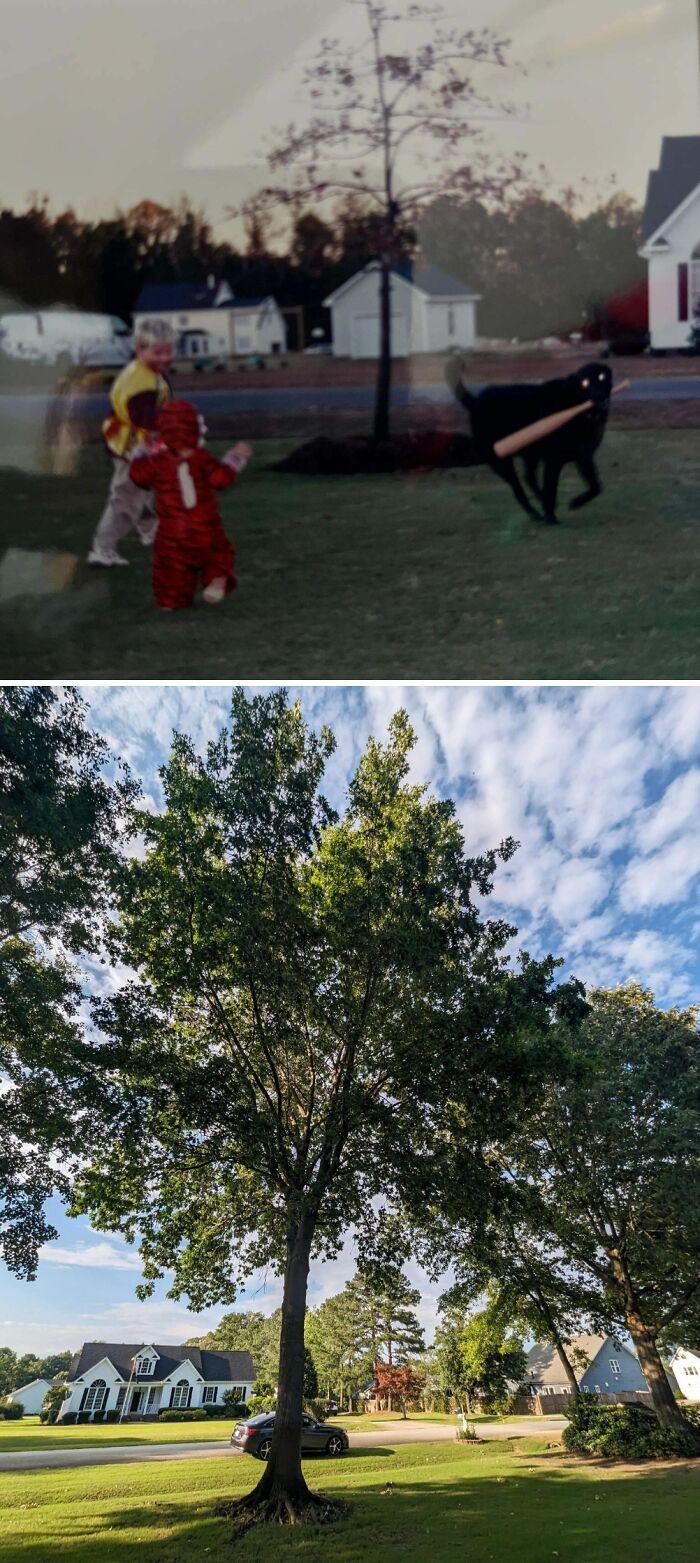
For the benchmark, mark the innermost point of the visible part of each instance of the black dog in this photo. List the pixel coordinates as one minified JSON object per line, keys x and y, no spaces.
{"x":504,"y":409}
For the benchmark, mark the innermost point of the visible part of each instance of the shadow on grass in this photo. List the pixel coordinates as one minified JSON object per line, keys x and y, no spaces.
{"x":527,"y":1514}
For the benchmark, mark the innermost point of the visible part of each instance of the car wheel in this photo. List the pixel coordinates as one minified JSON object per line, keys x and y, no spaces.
{"x":335,"y":1445}
{"x":263,"y":1449}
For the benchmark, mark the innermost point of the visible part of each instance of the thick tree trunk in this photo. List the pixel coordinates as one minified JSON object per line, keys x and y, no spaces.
{"x":666,"y":1407}
{"x":281,"y":1494}
{"x":381,"y":406}
{"x":667,"y":1410}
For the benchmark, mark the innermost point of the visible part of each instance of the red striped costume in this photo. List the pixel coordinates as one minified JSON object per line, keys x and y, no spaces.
{"x":190,"y":543}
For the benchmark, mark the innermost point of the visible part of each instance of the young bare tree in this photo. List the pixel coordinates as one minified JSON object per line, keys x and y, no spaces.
{"x":398,"y":126}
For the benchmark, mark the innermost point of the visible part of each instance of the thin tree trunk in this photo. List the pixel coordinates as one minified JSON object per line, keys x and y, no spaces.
{"x":568,"y":1370}
{"x":282,"y":1486}
{"x":548,"y":1320}
{"x":382,"y":400}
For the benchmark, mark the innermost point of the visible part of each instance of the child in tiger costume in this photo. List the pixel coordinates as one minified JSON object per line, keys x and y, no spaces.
{"x":190,"y":542}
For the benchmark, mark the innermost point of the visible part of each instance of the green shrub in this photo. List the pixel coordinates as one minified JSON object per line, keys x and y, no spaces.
{"x":625,"y":1432}
{"x":69,"y":1418}
{"x":13,"y":1411}
{"x":183,"y":1416}
{"x":110,"y":1416}
{"x":98,"y":1416}
{"x":83,"y":1416}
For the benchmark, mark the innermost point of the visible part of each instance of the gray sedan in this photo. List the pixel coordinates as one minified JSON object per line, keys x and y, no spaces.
{"x":254,"y":1436}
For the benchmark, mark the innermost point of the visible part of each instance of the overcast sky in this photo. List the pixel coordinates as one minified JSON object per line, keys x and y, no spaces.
{"x":601,"y":786}
{"x":111,"y":101}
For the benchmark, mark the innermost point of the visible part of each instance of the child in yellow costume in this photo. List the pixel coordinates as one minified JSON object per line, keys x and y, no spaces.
{"x":137,"y":395}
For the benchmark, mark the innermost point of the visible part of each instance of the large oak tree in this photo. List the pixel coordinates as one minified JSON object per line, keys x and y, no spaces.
{"x":308,"y":992}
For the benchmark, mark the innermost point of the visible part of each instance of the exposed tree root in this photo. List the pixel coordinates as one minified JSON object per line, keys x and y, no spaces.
{"x":312,"y":1509}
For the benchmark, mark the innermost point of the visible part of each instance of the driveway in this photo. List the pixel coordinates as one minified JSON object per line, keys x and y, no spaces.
{"x":389,"y":1433}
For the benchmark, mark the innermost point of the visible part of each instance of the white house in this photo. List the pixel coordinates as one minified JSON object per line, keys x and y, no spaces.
{"x":671,"y":232}
{"x":32,"y":1395}
{"x":430,"y":312}
{"x":598,"y":1363}
{"x":685,"y":1363}
{"x":209,"y":321}
{"x":142,"y":1380}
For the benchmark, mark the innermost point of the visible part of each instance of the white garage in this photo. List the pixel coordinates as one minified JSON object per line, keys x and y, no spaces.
{"x":431,"y":312}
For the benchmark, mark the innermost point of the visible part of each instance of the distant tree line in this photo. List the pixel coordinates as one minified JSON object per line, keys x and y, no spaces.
{"x":16,"y":1371}
{"x":539,"y":265}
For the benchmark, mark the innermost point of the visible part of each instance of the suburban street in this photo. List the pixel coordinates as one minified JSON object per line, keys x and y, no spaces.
{"x":310,"y":398}
{"x":389,"y":1434}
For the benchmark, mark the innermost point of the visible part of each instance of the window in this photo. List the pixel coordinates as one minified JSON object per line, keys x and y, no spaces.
{"x":121,"y":1397}
{"x":238,"y":1391}
{"x":181,"y":1393}
{"x":614,"y":1365}
{"x":209,"y":1394}
{"x":690,"y":1371}
{"x":145,"y":1365}
{"x":151,"y":1396}
{"x":96,"y":1396}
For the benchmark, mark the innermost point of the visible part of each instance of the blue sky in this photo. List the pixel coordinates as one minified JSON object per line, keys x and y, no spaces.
{"x":601,"y":786}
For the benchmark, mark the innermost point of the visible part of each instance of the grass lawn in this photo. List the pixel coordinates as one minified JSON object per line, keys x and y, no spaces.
{"x":31,"y":1434}
{"x":394,"y":576}
{"x":490,"y":1505}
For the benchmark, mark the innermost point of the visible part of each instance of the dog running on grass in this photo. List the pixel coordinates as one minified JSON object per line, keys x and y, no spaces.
{"x":500,"y":410}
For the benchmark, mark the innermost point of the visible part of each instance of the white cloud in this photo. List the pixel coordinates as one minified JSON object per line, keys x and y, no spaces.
{"x":92,"y":1256}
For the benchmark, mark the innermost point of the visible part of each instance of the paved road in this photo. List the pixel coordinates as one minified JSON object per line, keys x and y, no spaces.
{"x":388,"y":1434}
{"x":310,"y":399}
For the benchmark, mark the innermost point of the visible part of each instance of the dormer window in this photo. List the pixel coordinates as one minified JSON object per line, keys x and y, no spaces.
{"x":144,"y":1365}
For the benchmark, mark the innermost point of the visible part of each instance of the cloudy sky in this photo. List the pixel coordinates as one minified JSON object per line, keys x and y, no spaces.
{"x":600,"y":785}
{"x":111,"y":101}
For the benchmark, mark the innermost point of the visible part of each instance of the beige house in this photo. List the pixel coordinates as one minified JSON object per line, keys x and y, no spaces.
{"x":210,"y":322}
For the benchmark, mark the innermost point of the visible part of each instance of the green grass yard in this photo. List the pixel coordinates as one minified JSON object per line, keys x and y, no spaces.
{"x":490,"y":1504}
{"x":395,"y":576}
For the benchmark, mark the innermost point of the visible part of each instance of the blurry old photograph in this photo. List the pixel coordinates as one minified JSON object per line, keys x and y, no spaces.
{"x":349,"y":340}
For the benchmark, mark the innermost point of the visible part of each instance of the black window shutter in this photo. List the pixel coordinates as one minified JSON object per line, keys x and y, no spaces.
{"x":83,"y":1398}
{"x":683,"y":290}
{"x":189,"y":1396}
{"x":172,"y":1392}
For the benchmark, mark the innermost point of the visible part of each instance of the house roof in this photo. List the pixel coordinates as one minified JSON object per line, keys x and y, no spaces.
{"x":232,"y":1367}
{"x":677,"y":175}
{"x":33,"y":1381}
{"x":545,"y":1365}
{"x":188,"y":296}
{"x":433,"y":281}
{"x":428,"y":279}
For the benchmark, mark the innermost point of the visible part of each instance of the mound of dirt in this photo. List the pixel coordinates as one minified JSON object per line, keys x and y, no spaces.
{"x":416,"y":451}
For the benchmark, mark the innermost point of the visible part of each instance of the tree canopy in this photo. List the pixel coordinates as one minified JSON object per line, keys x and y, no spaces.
{"x":60,"y":825}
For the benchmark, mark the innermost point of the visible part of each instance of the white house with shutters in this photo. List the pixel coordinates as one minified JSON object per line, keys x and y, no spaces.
{"x":141,"y":1380}
{"x":431,"y":312}
{"x":671,"y":248}
{"x":685,"y":1363}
